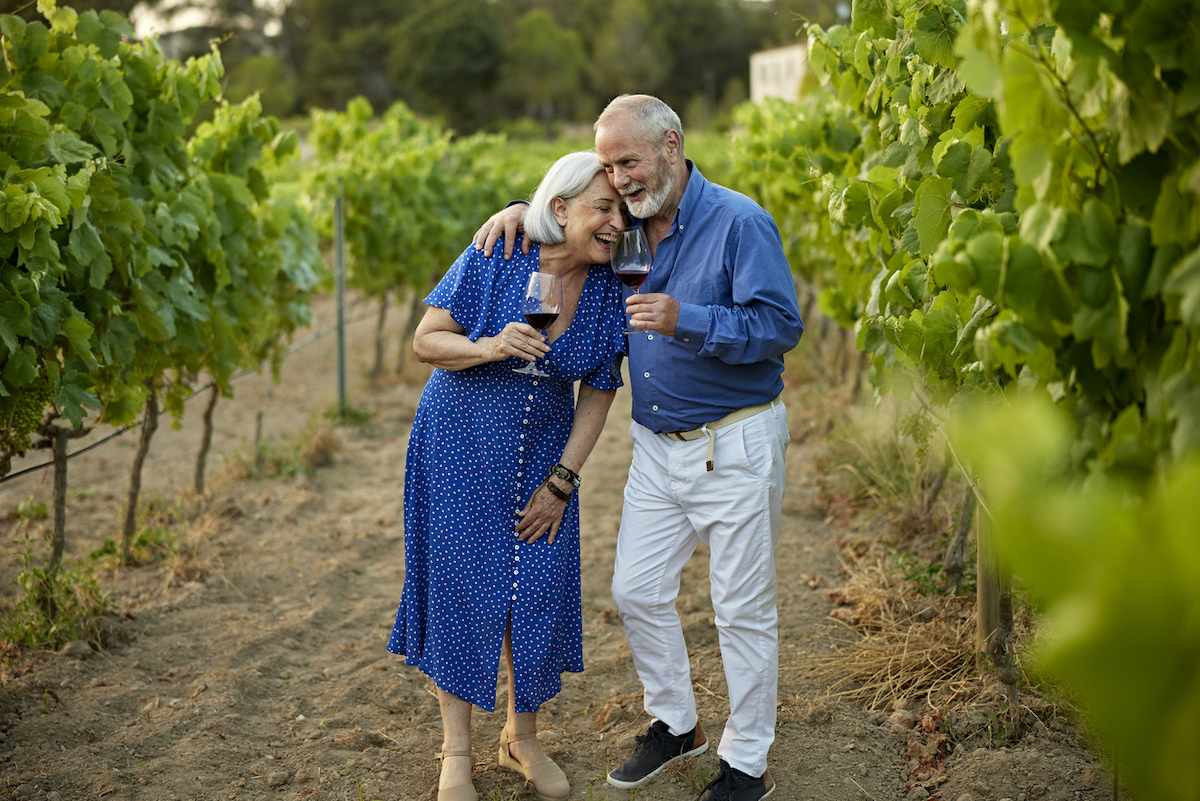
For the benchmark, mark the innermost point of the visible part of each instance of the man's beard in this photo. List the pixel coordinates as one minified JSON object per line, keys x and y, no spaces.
{"x":654,"y":199}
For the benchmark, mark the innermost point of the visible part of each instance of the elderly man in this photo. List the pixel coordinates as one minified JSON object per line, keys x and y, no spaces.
{"x":718,"y":313}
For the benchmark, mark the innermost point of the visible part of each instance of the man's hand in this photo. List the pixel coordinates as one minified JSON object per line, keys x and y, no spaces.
{"x":653,"y":312}
{"x":508,"y":222}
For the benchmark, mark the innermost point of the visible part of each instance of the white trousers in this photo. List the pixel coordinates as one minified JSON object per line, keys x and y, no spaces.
{"x":671,"y":504}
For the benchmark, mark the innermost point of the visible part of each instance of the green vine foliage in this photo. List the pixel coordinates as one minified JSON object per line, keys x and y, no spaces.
{"x":412,"y":194}
{"x":131,"y":259}
{"x":1011,"y":194}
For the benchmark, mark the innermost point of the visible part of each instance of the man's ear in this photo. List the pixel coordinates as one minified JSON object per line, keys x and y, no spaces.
{"x":559,"y":207}
{"x":673,"y":146}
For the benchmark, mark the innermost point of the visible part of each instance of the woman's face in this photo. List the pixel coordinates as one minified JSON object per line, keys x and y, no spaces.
{"x":592,"y":219}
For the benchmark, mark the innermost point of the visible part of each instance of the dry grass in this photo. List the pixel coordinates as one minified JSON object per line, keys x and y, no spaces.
{"x":321,"y":448}
{"x":906,"y":645}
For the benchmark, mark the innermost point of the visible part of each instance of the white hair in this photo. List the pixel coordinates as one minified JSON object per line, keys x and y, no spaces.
{"x":654,"y":117}
{"x":565,"y":179}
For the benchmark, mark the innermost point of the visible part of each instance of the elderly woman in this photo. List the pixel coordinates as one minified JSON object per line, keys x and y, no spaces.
{"x":491,"y":522}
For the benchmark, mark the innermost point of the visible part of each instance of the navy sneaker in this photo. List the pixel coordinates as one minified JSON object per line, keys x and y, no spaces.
{"x":655,"y":749}
{"x":733,"y":785}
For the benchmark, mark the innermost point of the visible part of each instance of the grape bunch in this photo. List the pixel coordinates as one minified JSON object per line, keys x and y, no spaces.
{"x":918,"y":427}
{"x":23,"y":414}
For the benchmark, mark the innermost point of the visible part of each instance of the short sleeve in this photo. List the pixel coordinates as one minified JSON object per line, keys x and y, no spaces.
{"x":473,"y":285}
{"x":611,"y":332}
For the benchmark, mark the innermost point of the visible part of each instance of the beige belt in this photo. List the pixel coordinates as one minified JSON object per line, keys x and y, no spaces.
{"x":707,"y":429}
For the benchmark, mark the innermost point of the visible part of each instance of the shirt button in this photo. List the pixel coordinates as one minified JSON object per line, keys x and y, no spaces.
{"x":685,"y":339}
{"x":650,"y":336}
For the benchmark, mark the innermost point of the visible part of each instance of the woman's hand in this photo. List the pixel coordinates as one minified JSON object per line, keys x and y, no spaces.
{"x":517,"y":339}
{"x":542,"y":513}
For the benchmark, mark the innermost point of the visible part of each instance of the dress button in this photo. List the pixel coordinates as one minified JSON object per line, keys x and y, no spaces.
{"x":535,"y":383}
{"x":525,"y":421}
{"x":526,"y":408}
{"x":521,"y":447}
{"x":530,"y":397}
{"x":521,"y":474}
{"x":685,"y":339}
{"x":645,"y":375}
{"x":655,"y":409}
{"x":514,"y":597}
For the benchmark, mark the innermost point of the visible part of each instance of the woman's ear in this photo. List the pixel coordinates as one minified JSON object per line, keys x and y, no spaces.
{"x":559,"y":207}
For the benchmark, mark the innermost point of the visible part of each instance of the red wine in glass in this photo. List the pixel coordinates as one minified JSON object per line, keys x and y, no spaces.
{"x":631,"y":261}
{"x":633,"y":278}
{"x":541,"y":306}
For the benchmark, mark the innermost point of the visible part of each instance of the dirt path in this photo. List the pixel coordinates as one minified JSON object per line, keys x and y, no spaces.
{"x":268,"y":676}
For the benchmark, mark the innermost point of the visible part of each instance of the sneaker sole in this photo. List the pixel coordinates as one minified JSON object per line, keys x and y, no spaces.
{"x":622,"y":785}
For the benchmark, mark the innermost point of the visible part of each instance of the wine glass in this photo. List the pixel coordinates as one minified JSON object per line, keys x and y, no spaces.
{"x":541,"y":307}
{"x":631,"y":261}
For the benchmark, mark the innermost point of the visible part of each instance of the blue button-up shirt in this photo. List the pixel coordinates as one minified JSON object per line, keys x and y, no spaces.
{"x":723,"y":261}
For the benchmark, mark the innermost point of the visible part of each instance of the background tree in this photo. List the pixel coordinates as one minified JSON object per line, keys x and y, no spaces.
{"x":447,"y":56}
{"x":543,"y":66}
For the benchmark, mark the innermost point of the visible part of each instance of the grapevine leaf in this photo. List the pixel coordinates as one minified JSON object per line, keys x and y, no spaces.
{"x":932,"y":213}
{"x":934,"y":37}
{"x":67,"y":148}
{"x":867,"y":15}
{"x":986,"y":252}
{"x":72,"y":392}
{"x":1184,"y":281}
{"x":1023,"y":279}
{"x":78,"y":332}
{"x":22,"y":367}
{"x":46,"y":319}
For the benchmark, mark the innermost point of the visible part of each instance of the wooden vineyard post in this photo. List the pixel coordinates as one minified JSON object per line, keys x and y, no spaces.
{"x":987,"y":594}
{"x":206,"y":440}
{"x":339,"y":226}
{"x":408,"y":324}
{"x":994,"y":618}
{"x":149,"y":426}
{"x":377,"y":370}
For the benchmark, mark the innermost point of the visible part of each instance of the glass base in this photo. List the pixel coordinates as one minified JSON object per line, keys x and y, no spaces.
{"x":530,"y":369}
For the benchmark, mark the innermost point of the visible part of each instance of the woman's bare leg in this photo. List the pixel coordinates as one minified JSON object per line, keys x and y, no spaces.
{"x":456,"y":736}
{"x":527,"y":752}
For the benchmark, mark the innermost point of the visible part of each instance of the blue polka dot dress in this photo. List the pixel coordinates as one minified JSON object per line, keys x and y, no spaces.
{"x":482,"y":441}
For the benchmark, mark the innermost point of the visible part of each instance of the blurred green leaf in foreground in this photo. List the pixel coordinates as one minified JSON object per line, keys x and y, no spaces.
{"x":1114,"y":573}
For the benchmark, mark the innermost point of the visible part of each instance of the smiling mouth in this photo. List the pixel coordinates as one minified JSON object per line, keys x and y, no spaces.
{"x":606,"y":239}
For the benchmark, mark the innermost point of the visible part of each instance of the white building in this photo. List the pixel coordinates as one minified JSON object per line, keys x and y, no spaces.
{"x":778,"y":72}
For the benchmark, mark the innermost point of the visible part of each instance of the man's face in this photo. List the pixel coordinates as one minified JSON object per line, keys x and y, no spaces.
{"x":638,"y":168}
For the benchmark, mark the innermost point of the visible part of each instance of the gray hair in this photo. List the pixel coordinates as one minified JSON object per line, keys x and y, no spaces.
{"x":565,"y":179}
{"x":653,"y":116}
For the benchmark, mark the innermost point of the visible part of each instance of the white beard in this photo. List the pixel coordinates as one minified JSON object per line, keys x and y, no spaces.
{"x":653,"y":202}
